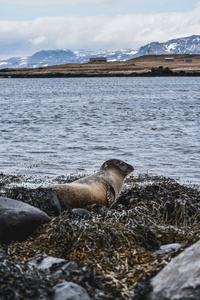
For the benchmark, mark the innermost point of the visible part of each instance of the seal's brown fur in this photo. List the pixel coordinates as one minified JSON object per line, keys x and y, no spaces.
{"x":101,"y":188}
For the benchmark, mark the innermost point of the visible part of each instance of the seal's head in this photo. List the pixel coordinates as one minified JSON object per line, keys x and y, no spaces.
{"x":117,"y":166}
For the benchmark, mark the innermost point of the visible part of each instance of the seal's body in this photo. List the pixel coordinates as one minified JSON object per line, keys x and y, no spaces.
{"x":101,"y":188}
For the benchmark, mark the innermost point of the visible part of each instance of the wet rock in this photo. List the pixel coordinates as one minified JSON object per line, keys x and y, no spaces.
{"x":70,"y":291}
{"x":48,"y":278}
{"x":143,"y":287}
{"x":170,"y":248}
{"x":18,"y":220}
{"x":180,"y":279}
{"x":44,"y":263}
{"x":19,"y":281}
{"x":160,"y":71}
{"x":60,"y":269}
{"x":44,"y":199}
{"x":82,"y":213}
{"x":64,"y":271}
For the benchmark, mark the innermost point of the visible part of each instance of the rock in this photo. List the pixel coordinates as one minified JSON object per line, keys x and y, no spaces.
{"x":41,"y":198}
{"x":170,"y":248}
{"x":44,"y":263}
{"x":180,"y":279}
{"x":160,"y":71}
{"x":62,"y":272}
{"x":82,"y":213}
{"x":18,"y":220}
{"x":70,"y":291}
{"x":18,"y":281}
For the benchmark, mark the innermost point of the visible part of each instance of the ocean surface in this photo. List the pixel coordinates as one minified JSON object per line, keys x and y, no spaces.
{"x":63,"y":126}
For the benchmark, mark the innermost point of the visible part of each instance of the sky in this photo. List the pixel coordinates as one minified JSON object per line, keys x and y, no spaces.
{"x":28,"y":26}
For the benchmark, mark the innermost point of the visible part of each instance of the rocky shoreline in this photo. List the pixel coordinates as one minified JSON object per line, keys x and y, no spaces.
{"x":99,"y":252}
{"x":155,"y":72}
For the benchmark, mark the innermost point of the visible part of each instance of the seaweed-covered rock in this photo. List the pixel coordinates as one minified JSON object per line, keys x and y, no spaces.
{"x":44,"y":199}
{"x":112,"y":241}
{"x":19,"y":281}
{"x":61,"y":270}
{"x":49,"y":278}
{"x":171,"y":202}
{"x":18,"y":220}
{"x":108,"y":251}
{"x":180,"y":279}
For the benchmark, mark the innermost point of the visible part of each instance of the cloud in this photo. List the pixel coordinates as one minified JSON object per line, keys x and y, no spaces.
{"x":99,"y":32}
{"x":40,"y":40}
{"x":64,"y":2}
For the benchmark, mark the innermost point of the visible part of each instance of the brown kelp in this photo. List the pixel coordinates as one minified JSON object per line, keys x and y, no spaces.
{"x":120,"y":242}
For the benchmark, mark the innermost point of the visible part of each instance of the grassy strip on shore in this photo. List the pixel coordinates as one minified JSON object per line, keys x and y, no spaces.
{"x":148,"y":65}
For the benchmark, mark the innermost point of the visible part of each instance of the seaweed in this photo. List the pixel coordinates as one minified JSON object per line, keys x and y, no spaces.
{"x":119,"y":242}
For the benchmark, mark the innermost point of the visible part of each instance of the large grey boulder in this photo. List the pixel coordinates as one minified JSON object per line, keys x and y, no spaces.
{"x":180,"y":279}
{"x":70,"y":291}
{"x":18,"y":219}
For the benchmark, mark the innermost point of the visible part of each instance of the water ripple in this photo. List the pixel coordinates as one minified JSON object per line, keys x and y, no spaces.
{"x":59,"y":126}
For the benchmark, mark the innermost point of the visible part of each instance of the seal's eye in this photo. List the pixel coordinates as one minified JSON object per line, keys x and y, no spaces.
{"x":122,"y":165}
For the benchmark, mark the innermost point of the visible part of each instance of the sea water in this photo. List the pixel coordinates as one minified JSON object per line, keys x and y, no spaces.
{"x":60,"y":126}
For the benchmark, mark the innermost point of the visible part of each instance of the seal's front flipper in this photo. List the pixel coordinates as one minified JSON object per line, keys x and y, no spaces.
{"x":110,"y":195}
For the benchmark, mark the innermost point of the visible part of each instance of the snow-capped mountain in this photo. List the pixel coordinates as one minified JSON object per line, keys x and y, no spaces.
{"x":189,"y":45}
{"x":58,"y":57}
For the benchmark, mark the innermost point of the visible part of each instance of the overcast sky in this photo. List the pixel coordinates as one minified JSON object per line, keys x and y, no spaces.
{"x":27,"y":26}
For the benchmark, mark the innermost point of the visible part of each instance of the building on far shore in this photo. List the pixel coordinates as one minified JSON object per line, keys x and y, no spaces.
{"x":98,"y":59}
{"x":188,"y":60}
{"x":148,"y":52}
{"x":169,"y":59}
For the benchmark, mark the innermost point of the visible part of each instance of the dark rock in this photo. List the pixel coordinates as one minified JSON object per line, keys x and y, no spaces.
{"x":44,"y":199}
{"x":143,"y":287}
{"x":63,"y":271}
{"x":180,"y":279}
{"x":18,"y":220}
{"x":56,"y":268}
{"x":82,"y":213}
{"x":70,"y":291}
{"x":160,"y":71}
{"x":20,"y":281}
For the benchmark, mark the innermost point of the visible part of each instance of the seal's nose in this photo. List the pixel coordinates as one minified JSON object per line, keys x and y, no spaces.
{"x":131,"y":168}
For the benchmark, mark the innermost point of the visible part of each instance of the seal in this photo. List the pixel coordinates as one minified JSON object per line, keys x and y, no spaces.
{"x":102,"y":188}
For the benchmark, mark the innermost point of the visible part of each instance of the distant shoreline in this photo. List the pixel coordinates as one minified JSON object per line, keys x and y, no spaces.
{"x":143,"y":66}
{"x":81,"y":75}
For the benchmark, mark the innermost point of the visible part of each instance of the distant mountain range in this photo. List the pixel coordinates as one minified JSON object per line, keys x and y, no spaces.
{"x":187,"y":45}
{"x":59,"y":57}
